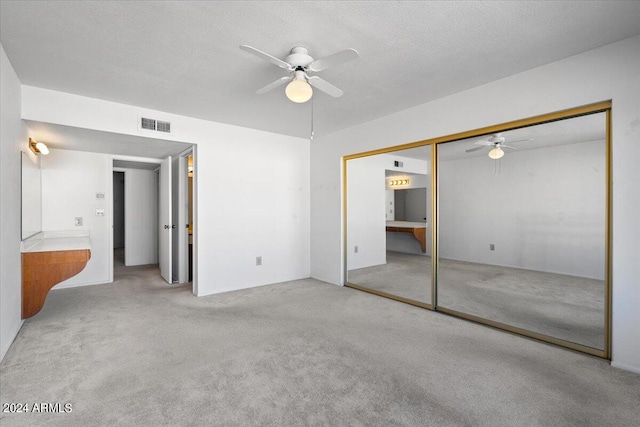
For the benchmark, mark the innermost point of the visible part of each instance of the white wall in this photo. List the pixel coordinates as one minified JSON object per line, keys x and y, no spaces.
{"x":70,"y":182}
{"x":389,"y":205}
{"x":251,"y":188}
{"x":13,"y":139}
{"x":409,"y":165}
{"x":367,"y":187}
{"x":31,"y":196}
{"x":366,"y":220}
{"x":140,"y":217}
{"x":610,"y":72}
{"x":545,"y":211}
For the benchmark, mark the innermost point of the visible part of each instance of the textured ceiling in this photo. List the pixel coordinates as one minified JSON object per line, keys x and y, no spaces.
{"x":183,"y":57}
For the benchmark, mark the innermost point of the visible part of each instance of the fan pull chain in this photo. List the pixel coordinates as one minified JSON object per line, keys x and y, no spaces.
{"x":311,"y":139}
{"x":496,"y":167}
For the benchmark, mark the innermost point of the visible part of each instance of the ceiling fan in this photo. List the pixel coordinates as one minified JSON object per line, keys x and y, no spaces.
{"x":300,"y":64}
{"x":497,"y":143}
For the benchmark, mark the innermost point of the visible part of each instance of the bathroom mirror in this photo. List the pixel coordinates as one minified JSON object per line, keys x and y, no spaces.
{"x":31,"y":197}
{"x":389,"y":224}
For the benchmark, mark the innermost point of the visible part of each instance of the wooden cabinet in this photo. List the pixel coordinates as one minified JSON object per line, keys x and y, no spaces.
{"x":43,"y":270}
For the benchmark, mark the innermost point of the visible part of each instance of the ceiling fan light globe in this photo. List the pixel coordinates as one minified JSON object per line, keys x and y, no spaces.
{"x":496,"y":153}
{"x":299,"y":91}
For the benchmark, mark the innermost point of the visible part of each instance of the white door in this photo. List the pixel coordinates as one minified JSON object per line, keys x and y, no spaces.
{"x":164,"y":220}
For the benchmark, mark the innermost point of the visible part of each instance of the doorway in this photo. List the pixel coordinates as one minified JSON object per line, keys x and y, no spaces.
{"x":183,"y":213}
{"x":158,"y":199}
{"x":118,"y":219}
{"x":135,"y":214}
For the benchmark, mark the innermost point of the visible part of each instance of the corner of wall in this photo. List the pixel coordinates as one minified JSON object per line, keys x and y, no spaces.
{"x":13,"y":137}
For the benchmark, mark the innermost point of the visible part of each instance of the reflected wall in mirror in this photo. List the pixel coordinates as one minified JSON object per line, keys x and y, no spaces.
{"x":522,"y":239}
{"x":31,"y":197}
{"x":388,"y":224}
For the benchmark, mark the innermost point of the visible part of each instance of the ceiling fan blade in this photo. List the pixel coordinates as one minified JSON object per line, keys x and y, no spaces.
{"x":273,"y":85}
{"x":506,"y":146}
{"x":333,"y":60}
{"x":260,"y":54}
{"x":471,"y":150}
{"x":325,"y":86}
{"x":484,"y":142}
{"x":521,"y":140}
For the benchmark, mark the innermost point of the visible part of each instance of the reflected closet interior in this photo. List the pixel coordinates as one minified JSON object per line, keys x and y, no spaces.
{"x":508,"y":227}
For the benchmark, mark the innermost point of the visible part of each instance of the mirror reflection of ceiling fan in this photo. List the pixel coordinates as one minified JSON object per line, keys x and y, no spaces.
{"x":300,"y":64}
{"x":497,"y":143}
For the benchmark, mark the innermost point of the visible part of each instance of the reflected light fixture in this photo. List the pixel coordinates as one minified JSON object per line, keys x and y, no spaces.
{"x":496,"y":153}
{"x":298,"y":90}
{"x":399,"y":182}
{"x":38,"y":147}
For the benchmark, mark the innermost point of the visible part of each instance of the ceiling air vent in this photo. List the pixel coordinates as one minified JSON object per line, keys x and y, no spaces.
{"x":163,"y":126}
{"x":156,"y":125}
{"x":149,"y":124}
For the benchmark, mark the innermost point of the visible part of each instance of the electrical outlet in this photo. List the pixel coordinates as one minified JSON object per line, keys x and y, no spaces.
{"x":258,"y":261}
{"x":492,"y":247}
{"x":78,"y":221}
{"x":99,"y":212}
{"x":355,"y":249}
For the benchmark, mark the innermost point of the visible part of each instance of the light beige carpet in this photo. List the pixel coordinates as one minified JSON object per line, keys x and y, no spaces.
{"x":139,"y":352}
{"x":561,"y":306}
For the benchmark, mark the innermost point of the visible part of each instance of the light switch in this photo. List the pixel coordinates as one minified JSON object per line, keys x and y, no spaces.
{"x":99,"y":212}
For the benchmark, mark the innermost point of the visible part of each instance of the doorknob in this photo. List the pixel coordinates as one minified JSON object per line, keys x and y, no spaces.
{"x":173,"y":226}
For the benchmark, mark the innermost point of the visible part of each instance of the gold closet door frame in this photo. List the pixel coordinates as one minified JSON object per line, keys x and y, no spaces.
{"x":599,"y":107}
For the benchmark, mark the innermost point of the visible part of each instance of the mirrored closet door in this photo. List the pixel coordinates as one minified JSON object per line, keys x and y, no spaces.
{"x":522,"y":229}
{"x":388,"y":240}
{"x":516,"y":216}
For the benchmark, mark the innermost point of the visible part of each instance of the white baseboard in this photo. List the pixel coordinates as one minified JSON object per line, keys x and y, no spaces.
{"x":626,"y":367}
{"x":326,"y":280}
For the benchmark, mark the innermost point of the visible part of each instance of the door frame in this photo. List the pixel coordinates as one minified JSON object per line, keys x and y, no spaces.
{"x":182,"y":220}
{"x":113,"y":169}
{"x":191,"y":150}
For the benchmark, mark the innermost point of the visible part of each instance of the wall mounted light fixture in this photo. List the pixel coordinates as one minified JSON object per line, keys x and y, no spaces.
{"x":38,"y":147}
{"x":399,"y":182}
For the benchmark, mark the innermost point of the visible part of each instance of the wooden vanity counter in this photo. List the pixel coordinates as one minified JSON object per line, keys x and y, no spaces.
{"x":49,"y":258}
{"x":418,"y":229}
